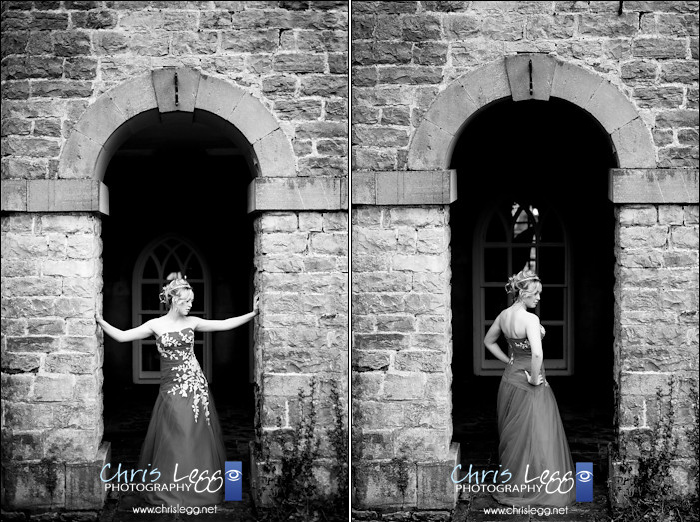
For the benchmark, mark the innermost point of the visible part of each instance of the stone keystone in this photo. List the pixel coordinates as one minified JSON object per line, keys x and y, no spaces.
{"x":530,"y":76}
{"x":176,"y":88}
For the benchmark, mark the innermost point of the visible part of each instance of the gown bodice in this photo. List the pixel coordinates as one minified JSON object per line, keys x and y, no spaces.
{"x":180,"y":373}
{"x":520,"y":355}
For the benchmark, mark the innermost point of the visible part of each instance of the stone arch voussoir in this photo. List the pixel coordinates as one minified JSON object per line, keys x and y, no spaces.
{"x":530,"y":77}
{"x":127,"y":108}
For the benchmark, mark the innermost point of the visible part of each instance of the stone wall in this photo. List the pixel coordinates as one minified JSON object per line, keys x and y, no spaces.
{"x":407,"y":55}
{"x":58,"y":60}
{"x":302,"y":274}
{"x":51,"y":360}
{"x":402,"y":350}
{"x":656,"y":347}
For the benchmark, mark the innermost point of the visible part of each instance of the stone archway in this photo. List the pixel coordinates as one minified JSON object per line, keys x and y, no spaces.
{"x":108,"y":122}
{"x":530,"y":77}
{"x":419,"y":197}
{"x":67,"y":208}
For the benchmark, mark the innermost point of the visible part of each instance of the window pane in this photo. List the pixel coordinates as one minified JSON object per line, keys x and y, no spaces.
{"x":523,"y":225}
{"x":553,"y":342}
{"x":193,"y":269}
{"x":524,"y":258}
{"x":496,"y":231}
{"x":172,"y":265}
{"x":495,"y":265}
{"x":552,"y":304}
{"x":552,"y":267}
{"x":149,"y":357}
{"x":150,"y":271}
{"x":496,"y":300}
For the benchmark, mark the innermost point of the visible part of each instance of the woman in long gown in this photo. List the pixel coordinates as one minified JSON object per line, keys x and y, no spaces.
{"x":184,"y":433}
{"x":533,"y":446}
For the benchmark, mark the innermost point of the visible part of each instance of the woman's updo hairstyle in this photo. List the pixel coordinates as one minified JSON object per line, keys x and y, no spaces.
{"x":524,"y":282}
{"x":178,"y":289}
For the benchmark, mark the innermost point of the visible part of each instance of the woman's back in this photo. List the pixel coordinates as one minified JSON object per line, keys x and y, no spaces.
{"x":514,"y":321}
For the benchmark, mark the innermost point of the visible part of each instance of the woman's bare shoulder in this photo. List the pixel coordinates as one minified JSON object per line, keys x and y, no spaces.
{"x":531,"y":319}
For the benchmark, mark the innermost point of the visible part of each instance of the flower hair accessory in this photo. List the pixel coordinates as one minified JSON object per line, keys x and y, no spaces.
{"x":177,"y":281}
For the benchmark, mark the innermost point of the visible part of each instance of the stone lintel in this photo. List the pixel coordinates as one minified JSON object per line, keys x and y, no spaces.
{"x":297,"y":194}
{"x":418,"y":187}
{"x":638,"y":186}
{"x":55,"y":195}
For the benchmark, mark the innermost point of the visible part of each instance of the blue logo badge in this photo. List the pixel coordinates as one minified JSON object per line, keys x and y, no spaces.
{"x":233,"y":478}
{"x":584,"y":482}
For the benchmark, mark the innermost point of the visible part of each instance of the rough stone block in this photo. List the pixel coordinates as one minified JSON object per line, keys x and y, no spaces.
{"x":275,"y":155}
{"x":420,"y":263}
{"x":629,"y":186}
{"x":524,"y":79}
{"x":377,"y":485}
{"x":404,"y":386}
{"x":430,"y":148}
{"x":295,"y":194}
{"x":176,"y":88}
{"x":637,"y":215}
{"x":659,"y":48}
{"x":53,"y":387}
{"x":100,"y":120}
{"x":135,"y":96}
{"x":435,"y":487}
{"x":253,"y":119}
{"x":634,"y":145}
{"x":574,"y":84}
{"x":34,"y":485}
{"x":83,"y":492}
{"x":79,"y":158}
{"x":487,"y":84}
{"x":13,"y":196}
{"x":217,"y":96}
{"x":610,"y":107}
{"x":67,"y":195}
{"x":72,"y":444}
{"x":420,"y":361}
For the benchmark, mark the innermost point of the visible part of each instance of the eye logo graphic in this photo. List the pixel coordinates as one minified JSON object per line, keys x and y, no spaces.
{"x":584,"y":482}
{"x":233,"y":475}
{"x":234,"y":480}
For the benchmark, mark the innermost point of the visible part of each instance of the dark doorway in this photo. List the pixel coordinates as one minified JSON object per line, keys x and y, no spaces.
{"x":185,"y":178}
{"x":554,"y":157}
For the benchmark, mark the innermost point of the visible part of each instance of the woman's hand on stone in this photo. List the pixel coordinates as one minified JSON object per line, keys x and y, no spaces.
{"x":256,"y":304}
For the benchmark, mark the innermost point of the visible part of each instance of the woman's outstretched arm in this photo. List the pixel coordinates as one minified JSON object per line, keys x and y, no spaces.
{"x":124,"y":336}
{"x":490,"y":341}
{"x":222,"y":325}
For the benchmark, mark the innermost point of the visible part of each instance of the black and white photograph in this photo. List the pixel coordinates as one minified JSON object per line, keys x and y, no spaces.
{"x":373,"y":261}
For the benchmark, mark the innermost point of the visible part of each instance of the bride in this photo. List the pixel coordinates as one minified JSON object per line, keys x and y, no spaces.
{"x":184,"y":434}
{"x":533,"y":446}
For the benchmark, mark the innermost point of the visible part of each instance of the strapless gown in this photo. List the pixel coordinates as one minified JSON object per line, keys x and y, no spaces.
{"x":184,"y":428}
{"x":532,"y":440}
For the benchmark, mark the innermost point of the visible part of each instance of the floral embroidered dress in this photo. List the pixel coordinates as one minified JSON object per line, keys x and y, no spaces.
{"x":532,"y":438}
{"x":184,"y":427}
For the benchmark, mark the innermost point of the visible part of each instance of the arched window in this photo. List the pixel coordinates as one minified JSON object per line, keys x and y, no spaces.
{"x":161,"y":257}
{"x":512,"y":236}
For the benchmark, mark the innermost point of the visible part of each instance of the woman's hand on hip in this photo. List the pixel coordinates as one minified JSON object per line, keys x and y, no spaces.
{"x":538,"y":380}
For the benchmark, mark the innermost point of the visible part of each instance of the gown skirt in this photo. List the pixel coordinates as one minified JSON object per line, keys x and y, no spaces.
{"x":532,"y":444}
{"x":184,"y":430}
